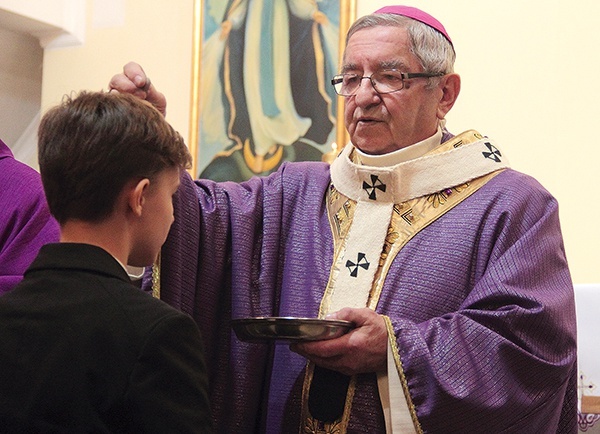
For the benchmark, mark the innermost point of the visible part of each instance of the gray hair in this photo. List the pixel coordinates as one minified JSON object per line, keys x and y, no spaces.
{"x":432,"y":49}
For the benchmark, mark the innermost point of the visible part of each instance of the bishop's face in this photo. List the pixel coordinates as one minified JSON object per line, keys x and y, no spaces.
{"x":379,"y":124}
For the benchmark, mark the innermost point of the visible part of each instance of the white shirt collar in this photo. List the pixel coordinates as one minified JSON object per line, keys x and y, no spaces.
{"x":405,"y":154}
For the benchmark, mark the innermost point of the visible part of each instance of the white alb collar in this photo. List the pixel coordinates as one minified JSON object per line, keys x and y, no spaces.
{"x":405,"y":154}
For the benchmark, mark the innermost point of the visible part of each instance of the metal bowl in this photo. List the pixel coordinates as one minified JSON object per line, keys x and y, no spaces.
{"x":289,"y":329}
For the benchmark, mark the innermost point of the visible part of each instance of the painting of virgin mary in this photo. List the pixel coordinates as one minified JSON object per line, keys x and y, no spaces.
{"x":264,"y":94}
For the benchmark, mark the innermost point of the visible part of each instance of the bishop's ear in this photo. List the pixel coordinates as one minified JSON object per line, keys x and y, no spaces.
{"x":137,"y":195}
{"x":450,"y":86}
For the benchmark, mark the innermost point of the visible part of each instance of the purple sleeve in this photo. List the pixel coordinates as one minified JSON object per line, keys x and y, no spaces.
{"x":224,"y":259}
{"x":501,"y":353}
{"x":26,"y":223}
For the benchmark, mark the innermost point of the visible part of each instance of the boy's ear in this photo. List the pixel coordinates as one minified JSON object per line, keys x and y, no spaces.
{"x":137,"y":196}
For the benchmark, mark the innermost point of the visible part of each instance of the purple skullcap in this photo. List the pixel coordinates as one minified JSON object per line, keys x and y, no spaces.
{"x":416,"y":14}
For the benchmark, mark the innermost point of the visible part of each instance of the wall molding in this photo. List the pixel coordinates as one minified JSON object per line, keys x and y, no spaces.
{"x":55,"y":23}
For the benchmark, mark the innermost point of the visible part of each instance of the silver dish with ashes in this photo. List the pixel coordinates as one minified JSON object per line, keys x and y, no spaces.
{"x":289,"y":328}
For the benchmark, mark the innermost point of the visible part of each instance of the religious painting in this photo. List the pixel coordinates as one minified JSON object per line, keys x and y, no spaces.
{"x":261,"y":90}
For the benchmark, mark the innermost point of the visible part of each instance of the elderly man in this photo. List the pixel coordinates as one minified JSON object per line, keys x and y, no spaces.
{"x":450,"y":264}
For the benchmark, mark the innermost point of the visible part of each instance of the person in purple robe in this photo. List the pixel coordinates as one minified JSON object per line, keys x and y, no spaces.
{"x":450,"y":264}
{"x":25,"y":221}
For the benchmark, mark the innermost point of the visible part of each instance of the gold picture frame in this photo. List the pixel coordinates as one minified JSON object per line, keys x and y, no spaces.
{"x":219,"y":72}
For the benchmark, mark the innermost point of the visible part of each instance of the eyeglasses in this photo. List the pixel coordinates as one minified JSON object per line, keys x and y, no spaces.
{"x":386,"y":81}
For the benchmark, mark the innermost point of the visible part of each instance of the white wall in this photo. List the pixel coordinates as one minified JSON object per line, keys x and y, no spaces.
{"x":156,"y":34}
{"x":26,"y":27}
{"x":20,"y":87}
{"x":529,"y":81}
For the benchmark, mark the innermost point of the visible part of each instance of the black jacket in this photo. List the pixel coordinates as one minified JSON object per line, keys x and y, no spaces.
{"x":83,"y":350}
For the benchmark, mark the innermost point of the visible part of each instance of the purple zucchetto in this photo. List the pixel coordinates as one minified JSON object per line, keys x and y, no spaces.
{"x":416,"y":14}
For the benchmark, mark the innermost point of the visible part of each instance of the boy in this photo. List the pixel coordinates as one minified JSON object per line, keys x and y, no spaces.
{"x":82,"y":349}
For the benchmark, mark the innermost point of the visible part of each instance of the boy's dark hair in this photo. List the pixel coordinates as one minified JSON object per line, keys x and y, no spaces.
{"x":92,"y":144}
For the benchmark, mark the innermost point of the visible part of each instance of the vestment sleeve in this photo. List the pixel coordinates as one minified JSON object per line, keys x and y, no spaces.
{"x":25,"y":221}
{"x":505,"y":358}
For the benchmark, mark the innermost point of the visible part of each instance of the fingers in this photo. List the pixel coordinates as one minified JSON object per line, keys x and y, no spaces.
{"x":133,"y":80}
{"x":146,"y":86}
{"x":120,"y":83}
{"x":358,"y":316}
{"x":324,"y":355}
{"x":136,"y":74}
{"x":363,"y":349}
{"x":345,"y":358}
{"x":331,"y":348}
{"x":156,"y":98}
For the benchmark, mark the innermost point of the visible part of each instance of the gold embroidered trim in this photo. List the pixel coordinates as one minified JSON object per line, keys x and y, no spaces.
{"x":340,"y":224}
{"x":398,"y":362}
{"x":413,"y":216}
{"x":156,"y":278}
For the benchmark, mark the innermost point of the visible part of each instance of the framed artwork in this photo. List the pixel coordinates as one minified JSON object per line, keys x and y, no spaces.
{"x":261,"y":91}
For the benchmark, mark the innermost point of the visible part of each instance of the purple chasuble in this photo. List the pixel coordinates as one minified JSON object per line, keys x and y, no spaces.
{"x":481,"y":302}
{"x":25,"y":221}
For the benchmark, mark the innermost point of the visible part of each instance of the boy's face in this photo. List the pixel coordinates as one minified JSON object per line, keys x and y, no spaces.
{"x":156,"y":218}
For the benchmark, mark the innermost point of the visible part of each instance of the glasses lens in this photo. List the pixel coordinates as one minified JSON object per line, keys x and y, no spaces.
{"x":346,"y":84}
{"x":387,"y":81}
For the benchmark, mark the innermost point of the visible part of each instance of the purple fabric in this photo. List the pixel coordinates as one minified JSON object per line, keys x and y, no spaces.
{"x":416,"y":14}
{"x":481,"y":302}
{"x":25,"y":221}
